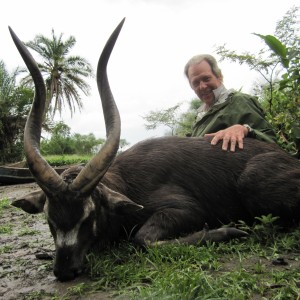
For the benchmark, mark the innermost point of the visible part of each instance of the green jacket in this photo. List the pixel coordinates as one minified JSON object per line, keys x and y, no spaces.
{"x":241,"y":109}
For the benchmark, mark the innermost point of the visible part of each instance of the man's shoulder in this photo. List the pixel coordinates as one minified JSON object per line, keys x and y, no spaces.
{"x":245,"y":100}
{"x":240,"y":96}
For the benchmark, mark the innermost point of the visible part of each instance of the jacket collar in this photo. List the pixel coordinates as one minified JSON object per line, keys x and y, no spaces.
{"x":221,"y":95}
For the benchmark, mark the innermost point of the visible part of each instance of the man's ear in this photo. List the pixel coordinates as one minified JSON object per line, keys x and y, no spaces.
{"x":32,"y":203}
{"x":119,"y":202}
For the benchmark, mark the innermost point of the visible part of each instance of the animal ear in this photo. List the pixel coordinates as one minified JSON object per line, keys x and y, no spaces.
{"x":32,"y":203}
{"x":119,"y":202}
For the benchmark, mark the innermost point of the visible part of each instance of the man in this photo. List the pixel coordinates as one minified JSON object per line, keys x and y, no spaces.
{"x":224,"y":115}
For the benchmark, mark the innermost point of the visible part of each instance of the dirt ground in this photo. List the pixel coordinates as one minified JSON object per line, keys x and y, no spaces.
{"x":25,"y":263}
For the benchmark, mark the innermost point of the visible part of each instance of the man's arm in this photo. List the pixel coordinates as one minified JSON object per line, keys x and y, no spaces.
{"x":242,"y":109}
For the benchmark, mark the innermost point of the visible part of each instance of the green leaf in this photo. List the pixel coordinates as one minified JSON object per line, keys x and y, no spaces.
{"x":285,"y":62}
{"x":276,"y":46}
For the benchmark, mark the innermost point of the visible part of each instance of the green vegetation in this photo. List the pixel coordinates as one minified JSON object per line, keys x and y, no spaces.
{"x":5,"y":249}
{"x":265,"y":266}
{"x":63,"y":142}
{"x":40,"y":296}
{"x":4,"y":204}
{"x":59,"y":160}
{"x":6,"y":228}
{"x":14,"y":105}
{"x":167,"y":117}
{"x":28,"y":231}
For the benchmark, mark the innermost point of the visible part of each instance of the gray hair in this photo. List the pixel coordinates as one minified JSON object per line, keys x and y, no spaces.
{"x":209,"y":59}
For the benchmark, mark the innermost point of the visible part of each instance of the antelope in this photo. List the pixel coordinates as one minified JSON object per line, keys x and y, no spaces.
{"x":162,"y":190}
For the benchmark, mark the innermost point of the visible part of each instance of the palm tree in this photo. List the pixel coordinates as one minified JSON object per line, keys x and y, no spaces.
{"x":64,"y":75}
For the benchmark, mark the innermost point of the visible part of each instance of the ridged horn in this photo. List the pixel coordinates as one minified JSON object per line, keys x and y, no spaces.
{"x":92,"y":173}
{"x":44,"y":174}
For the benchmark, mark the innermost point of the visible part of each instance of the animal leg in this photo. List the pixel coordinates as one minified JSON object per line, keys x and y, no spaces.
{"x":201,"y":237}
{"x":161,"y":225}
{"x":169,"y":223}
{"x":165,"y":226}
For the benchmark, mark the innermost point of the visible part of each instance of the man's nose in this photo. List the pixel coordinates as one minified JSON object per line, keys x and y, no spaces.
{"x":202,"y":85}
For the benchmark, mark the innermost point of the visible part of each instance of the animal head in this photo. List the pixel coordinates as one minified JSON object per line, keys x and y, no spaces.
{"x":68,"y":200}
{"x":76,"y":222}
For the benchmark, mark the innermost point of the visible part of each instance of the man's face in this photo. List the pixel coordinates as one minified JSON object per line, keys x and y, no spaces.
{"x":203,"y":81}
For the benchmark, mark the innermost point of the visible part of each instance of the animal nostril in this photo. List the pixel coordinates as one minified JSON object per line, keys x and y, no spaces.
{"x":65,"y":275}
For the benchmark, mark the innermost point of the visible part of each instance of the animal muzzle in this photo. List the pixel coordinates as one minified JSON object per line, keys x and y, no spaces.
{"x":67,"y":264}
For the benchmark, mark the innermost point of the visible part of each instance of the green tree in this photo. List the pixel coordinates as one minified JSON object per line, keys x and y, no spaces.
{"x":165,"y":117}
{"x":286,"y":109}
{"x":14,"y":106}
{"x":186,"y":120}
{"x":63,"y":142}
{"x":180,"y":123}
{"x":60,"y":141}
{"x":87,"y":143}
{"x":278,"y":64}
{"x":64,"y":74}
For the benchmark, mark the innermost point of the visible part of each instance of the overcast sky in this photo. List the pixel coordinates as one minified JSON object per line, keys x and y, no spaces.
{"x":157,"y":39}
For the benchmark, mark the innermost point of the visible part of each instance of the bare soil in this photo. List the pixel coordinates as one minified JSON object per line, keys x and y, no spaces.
{"x":25,"y":256}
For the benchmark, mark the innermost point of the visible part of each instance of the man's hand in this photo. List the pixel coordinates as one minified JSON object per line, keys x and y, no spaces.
{"x":233,"y":135}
